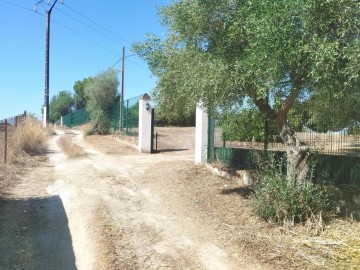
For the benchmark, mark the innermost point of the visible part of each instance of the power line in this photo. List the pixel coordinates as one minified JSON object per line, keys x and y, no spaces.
{"x":16,"y":5}
{"x":85,"y":37}
{"x":79,"y":34}
{"x":122,"y":58}
{"x":97,"y":24}
{"x":89,"y":26}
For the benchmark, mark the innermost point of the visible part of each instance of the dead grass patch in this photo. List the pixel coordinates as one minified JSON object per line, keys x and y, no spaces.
{"x":83,"y":128}
{"x":8,"y":178}
{"x":10,"y":174}
{"x":30,"y":138}
{"x":69,"y":147}
{"x":227,"y":207}
{"x":114,"y":248}
{"x":338,"y":247}
{"x":27,"y":146}
{"x":110,"y":145}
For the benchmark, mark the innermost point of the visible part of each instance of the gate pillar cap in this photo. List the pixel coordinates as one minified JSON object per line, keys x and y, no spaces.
{"x":145,"y":97}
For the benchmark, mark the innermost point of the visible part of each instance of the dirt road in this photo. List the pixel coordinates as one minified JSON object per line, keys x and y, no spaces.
{"x":116,"y":208}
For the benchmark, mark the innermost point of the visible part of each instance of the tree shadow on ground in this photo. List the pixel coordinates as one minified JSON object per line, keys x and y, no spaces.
{"x":244,"y":192}
{"x":34,"y":234}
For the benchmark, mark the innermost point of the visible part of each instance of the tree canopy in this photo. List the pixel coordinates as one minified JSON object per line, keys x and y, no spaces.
{"x":60,"y":105}
{"x":222,"y":51}
{"x":79,"y":89}
{"x":101,"y":93}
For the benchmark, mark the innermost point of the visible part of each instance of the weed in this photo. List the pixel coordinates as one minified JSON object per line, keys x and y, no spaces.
{"x":285,"y":201}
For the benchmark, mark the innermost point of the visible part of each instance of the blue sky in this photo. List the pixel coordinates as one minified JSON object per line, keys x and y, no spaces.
{"x":76,"y":50}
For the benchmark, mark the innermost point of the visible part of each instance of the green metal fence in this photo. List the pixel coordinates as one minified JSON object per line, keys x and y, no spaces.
{"x":128,"y":125}
{"x":330,"y":130}
{"x":76,"y":118}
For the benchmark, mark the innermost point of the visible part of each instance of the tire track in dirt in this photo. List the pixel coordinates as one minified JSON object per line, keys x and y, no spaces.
{"x":160,"y":236}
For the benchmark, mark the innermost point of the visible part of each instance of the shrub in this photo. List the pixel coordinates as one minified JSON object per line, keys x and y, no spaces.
{"x":280,"y":200}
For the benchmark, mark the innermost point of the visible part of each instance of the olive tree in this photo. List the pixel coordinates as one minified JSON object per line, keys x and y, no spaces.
{"x":222,"y":51}
{"x":101,"y":93}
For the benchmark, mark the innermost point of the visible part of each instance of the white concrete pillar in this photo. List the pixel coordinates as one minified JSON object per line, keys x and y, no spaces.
{"x":201,"y":134}
{"x":61,"y":121}
{"x":44,"y":118}
{"x":145,"y":107}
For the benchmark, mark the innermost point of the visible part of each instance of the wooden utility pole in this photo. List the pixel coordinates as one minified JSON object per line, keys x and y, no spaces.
{"x":6,"y":140}
{"x":47,"y":60}
{"x":122,"y":91}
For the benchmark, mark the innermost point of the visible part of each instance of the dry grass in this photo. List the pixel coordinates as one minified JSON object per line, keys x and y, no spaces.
{"x":337,"y":247}
{"x":25,"y":142}
{"x":30,"y":138}
{"x":110,"y":145}
{"x":8,"y":178}
{"x":83,"y":128}
{"x":69,"y":147}
{"x":228,"y":207}
{"x":114,"y":247}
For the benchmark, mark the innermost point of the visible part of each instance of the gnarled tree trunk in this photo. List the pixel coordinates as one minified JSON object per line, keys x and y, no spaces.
{"x":297,"y":167}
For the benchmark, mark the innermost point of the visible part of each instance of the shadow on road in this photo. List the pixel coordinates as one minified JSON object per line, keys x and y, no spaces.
{"x":34,"y":234}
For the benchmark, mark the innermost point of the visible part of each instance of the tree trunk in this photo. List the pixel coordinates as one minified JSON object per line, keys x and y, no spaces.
{"x":297,"y":167}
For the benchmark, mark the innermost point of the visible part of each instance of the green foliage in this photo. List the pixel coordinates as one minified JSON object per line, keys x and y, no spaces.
{"x":101,"y":125}
{"x":79,"y":88}
{"x":101,"y":94}
{"x":354,"y":129}
{"x":246,"y":125}
{"x":60,"y":105}
{"x":177,"y":117}
{"x":281,"y":201}
{"x":219,"y":52}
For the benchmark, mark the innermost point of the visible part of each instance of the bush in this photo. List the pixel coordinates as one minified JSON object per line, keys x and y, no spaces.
{"x":284,"y":201}
{"x":101,"y":124}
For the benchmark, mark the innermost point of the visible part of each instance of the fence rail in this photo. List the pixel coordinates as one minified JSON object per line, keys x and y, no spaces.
{"x":7,"y":131}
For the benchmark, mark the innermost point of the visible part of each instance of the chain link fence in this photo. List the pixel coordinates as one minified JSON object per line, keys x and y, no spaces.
{"x":76,"y":118}
{"x":7,"y":131}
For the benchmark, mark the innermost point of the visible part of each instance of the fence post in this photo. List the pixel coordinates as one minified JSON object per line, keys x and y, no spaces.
{"x":152,"y":129}
{"x":6,"y":138}
{"x":127,"y":117}
{"x":201,"y":134}
{"x":145,"y":109}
